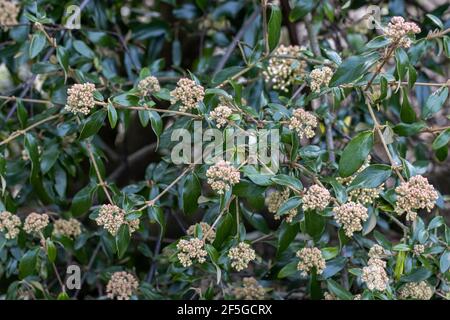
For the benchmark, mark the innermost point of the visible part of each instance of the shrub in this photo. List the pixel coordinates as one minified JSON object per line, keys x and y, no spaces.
{"x":340,"y":204}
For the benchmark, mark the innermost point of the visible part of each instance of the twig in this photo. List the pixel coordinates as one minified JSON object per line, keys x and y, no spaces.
{"x":97,"y":172}
{"x":235,"y":41}
{"x":18,"y":133}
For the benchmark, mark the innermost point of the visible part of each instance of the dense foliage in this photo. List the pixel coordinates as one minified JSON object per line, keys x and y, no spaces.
{"x":358,"y":99}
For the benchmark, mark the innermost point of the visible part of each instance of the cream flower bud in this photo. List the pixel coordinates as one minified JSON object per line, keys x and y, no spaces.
{"x":148,"y":86}
{"x":80,"y":98}
{"x":9,"y":224}
{"x":250,"y":290}
{"x":112,"y":217}
{"x":374,"y":275}
{"x":220,"y":115}
{"x":285,"y":67}
{"x":320,"y":77}
{"x":9,"y":10}
{"x":416,"y":291}
{"x":188,"y":93}
{"x":350,"y":215}
{"x":35,"y":222}
{"x":398,"y":30}
{"x":121,"y":286}
{"x":206,"y":231}
{"x":310,"y":258}
{"x":70,"y":228}
{"x":303,"y":122}
{"x":414,"y":195}
{"x":241,"y":256}
{"x":222,"y":176}
{"x":316,"y":198}
{"x":191,"y":250}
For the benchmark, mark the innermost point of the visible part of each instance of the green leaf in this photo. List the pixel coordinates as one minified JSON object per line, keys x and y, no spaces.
{"x":330,"y":252}
{"x":435,"y":20}
{"x":355,"y":153}
{"x":301,"y":9}
{"x":441,"y":140}
{"x":112,"y":115}
{"x":191,"y":192}
{"x":371,"y":177}
{"x":156,"y":123}
{"x":51,"y":250}
{"x":402,"y":61}
{"x":288,"y":270}
{"x":255,"y":219}
{"x":417,"y":275}
{"x":63,"y":296}
{"x":27,"y":264}
{"x":444,"y":262}
{"x":434,"y":102}
{"x":399,"y":265}
{"x":352,"y":69}
{"x":82,"y":201}
{"x":274,"y":27}
{"x":122,"y":240}
{"x":409,"y":129}
{"x":407,"y":113}
{"x":92,"y":124}
{"x":83,"y":49}
{"x":63,"y":59}
{"x":22,"y":113}
{"x":49,"y":158}
{"x":288,"y":181}
{"x":288,"y":205}
{"x":314,"y":224}
{"x":286,"y":236}
{"x":224,"y":229}
{"x":37,"y":44}
{"x":338,"y":290}
{"x":436,"y":222}
{"x":333,"y":267}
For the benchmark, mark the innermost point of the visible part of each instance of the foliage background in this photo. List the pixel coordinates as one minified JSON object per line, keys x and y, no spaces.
{"x":208,"y":39}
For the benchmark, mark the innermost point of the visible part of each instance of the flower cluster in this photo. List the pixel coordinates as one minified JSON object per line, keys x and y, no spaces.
{"x":111,"y":217}
{"x":377,"y":252}
{"x":310,"y":258}
{"x":320,"y":77}
{"x":418,"y":249}
{"x":374,"y":275}
{"x":364,"y":196}
{"x":80,"y":98}
{"x":398,"y":30}
{"x":274,"y":202}
{"x":148,"y":86}
{"x":222,"y":176}
{"x":206,"y":231}
{"x":121,"y":286}
{"x":188,"y":93}
{"x":220,"y":115}
{"x":316,"y":198}
{"x":69,"y":228}
{"x":303,"y":122}
{"x":285,"y":67}
{"x":9,"y":224}
{"x":350,"y":215}
{"x":250,"y":290}
{"x":190,"y":250}
{"x":35,"y":222}
{"x":241,"y":256}
{"x":416,"y":291}
{"x":9,"y":10}
{"x":413,"y":195}
{"x":330,"y":296}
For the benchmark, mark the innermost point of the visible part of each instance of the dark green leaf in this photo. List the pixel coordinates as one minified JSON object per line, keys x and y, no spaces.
{"x":355,"y":153}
